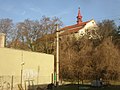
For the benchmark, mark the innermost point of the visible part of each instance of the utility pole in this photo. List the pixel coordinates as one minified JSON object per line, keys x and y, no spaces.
{"x":57,"y":56}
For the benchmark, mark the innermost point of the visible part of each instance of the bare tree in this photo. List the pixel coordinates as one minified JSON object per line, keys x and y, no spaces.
{"x":46,"y":42}
{"x":6,"y":27}
{"x":107,"y":28}
{"x":30,"y":34}
{"x":105,"y":62}
{"x":91,"y":58}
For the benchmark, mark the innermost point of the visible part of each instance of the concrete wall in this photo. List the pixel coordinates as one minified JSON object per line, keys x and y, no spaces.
{"x":2,"y":40}
{"x":36,"y":66}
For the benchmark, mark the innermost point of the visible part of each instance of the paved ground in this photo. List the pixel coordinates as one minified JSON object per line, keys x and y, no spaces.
{"x":86,"y":87}
{"x":76,"y":87}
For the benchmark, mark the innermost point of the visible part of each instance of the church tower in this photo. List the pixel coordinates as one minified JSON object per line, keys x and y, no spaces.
{"x":79,"y":17}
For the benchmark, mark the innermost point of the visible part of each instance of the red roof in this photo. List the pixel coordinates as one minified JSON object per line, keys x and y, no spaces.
{"x":73,"y":28}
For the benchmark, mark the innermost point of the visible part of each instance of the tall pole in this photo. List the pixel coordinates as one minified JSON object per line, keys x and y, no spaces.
{"x":57,"y":56}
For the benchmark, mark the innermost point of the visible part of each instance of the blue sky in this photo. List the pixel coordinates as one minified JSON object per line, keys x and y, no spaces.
{"x":19,"y":10}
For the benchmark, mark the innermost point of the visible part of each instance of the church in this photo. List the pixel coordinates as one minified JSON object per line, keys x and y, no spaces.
{"x":80,"y":28}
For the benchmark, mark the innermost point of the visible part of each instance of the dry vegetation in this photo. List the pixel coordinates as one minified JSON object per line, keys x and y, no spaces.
{"x":92,"y":58}
{"x":84,"y":58}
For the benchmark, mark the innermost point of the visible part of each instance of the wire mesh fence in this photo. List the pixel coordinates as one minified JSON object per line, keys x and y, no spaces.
{"x":9,"y":82}
{"x":14,"y":82}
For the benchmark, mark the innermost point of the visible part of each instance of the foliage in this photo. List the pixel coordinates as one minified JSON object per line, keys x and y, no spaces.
{"x":91,"y":58}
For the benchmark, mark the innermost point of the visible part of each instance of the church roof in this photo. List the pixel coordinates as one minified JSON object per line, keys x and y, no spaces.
{"x":73,"y":28}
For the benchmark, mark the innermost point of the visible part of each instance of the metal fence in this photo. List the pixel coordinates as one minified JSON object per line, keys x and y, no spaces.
{"x":9,"y":82}
{"x":13,"y":82}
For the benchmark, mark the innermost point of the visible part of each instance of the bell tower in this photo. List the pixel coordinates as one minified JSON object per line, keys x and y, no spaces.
{"x":79,"y":17}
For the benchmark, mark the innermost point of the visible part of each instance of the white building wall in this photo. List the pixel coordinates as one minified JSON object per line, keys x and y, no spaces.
{"x":90,"y":25}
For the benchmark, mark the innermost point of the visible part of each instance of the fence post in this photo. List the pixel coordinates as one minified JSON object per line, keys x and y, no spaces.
{"x":52,"y":78}
{"x":12,"y":83}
